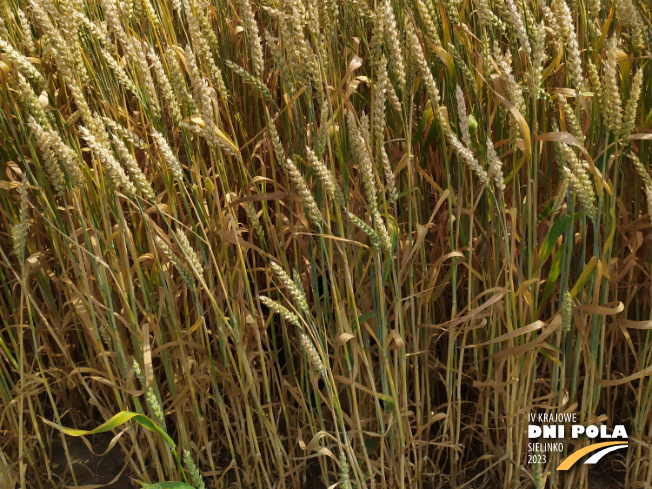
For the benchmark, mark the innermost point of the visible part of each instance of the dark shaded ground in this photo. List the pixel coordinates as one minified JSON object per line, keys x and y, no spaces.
{"x":604,"y":476}
{"x":92,"y":468}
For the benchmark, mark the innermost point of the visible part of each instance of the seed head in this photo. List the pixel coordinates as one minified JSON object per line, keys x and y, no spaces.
{"x":195,"y":475}
{"x":282,"y":311}
{"x":297,"y":294}
{"x":155,"y":407}
{"x":613,"y":104}
{"x":185,"y":273}
{"x":312,"y":354}
{"x":632,"y":103}
{"x":190,"y":253}
{"x":308,"y":200}
{"x":566,"y":312}
{"x":169,"y":157}
{"x":393,"y":41}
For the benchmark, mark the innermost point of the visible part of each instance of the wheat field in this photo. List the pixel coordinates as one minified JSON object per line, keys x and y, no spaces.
{"x":324,"y":243}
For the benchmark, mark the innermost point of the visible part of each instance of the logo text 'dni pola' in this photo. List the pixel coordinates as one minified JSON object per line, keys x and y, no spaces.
{"x":563,"y":426}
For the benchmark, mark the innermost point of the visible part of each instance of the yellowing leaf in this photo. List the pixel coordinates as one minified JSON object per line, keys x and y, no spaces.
{"x":442,"y":54}
{"x":200,"y":122}
{"x":522,"y":124}
{"x":584,"y":277}
{"x":119,"y":419}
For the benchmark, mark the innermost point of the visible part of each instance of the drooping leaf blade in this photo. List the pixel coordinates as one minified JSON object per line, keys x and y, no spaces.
{"x":118,"y":420}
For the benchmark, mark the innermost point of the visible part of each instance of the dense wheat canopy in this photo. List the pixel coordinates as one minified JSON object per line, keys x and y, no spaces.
{"x":324,"y":241}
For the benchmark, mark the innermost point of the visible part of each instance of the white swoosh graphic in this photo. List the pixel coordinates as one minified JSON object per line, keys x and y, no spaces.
{"x":595,"y":458}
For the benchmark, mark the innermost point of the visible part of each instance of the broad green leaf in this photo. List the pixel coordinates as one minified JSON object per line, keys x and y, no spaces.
{"x":553,"y":275}
{"x":609,"y":241}
{"x":556,"y":230}
{"x":584,"y":277}
{"x":366,"y":317}
{"x":119,"y":419}
{"x":544,"y":212}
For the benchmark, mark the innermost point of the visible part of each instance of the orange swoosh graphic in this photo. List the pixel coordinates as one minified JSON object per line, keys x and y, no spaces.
{"x":569,"y":461}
